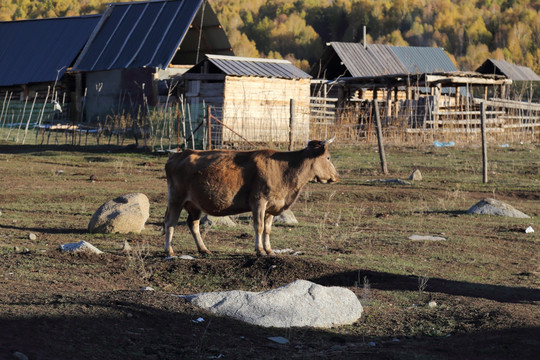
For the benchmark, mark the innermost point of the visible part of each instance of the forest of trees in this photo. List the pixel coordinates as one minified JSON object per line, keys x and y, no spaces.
{"x":470,"y":31}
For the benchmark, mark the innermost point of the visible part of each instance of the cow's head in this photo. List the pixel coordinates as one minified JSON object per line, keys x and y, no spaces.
{"x":322,"y":165}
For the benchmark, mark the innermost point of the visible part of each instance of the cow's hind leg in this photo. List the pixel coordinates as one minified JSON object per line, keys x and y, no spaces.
{"x":258,"y":226}
{"x":193,"y":225}
{"x":171,"y":219}
{"x":268,"y":219}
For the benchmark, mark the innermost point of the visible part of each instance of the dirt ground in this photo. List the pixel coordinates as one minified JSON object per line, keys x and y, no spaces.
{"x":63,"y":306}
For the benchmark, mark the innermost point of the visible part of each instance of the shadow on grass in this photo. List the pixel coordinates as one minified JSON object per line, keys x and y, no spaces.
{"x":387,"y":281}
{"x":28,"y":149}
{"x":45,"y":230}
{"x":153,"y":325}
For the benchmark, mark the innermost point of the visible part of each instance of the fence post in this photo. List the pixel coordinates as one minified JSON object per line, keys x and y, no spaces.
{"x":484,"y":141}
{"x":291,"y":125}
{"x":209,"y":121}
{"x":380,"y":137}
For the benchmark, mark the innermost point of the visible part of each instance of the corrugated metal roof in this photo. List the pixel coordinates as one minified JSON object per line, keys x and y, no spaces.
{"x":420,"y":60}
{"x":511,"y":71}
{"x":241,"y":66}
{"x":358,"y":61}
{"x":379,"y":60}
{"x":41,"y":50}
{"x":138,"y":34}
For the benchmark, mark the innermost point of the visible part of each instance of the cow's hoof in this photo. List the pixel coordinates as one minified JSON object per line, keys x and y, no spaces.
{"x":261,"y":253}
{"x":205,"y":252}
{"x":270,"y":253}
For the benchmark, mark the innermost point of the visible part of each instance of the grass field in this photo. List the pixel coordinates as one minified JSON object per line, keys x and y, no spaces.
{"x":485,"y":278}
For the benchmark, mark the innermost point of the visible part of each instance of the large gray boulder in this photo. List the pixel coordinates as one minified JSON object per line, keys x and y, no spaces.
{"x":125,"y":214}
{"x":300,"y":303}
{"x":491,"y":206}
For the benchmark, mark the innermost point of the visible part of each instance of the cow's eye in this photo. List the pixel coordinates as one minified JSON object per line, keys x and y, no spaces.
{"x":328,"y":158}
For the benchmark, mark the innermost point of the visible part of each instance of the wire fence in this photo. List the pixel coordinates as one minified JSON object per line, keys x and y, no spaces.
{"x":35,"y":121}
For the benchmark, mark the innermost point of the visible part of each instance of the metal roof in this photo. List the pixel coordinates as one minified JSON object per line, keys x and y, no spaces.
{"x":379,"y":60}
{"x":511,"y":71}
{"x":242,"y":66}
{"x":358,"y":60}
{"x":41,"y":50}
{"x":143,"y":34}
{"x":420,"y":60}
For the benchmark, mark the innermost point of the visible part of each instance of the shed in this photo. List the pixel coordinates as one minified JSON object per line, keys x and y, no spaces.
{"x":35,"y":55}
{"x":137,"y":44}
{"x":510,"y":71}
{"x":251,"y":98}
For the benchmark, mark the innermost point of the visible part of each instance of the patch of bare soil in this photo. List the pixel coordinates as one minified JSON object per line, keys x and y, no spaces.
{"x":55,"y":320}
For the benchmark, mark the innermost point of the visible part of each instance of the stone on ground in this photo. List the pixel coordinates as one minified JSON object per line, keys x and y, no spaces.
{"x":491,"y":206}
{"x":300,"y":303}
{"x":209,"y":220}
{"x":287,"y":218}
{"x":416,"y":175}
{"x":125,"y":214}
{"x":80,"y":247}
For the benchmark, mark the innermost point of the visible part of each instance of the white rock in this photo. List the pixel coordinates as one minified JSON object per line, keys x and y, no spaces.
{"x":186,"y":257}
{"x":416,"y":175}
{"x":148,"y":288}
{"x":426,"y":238}
{"x":287,"y":218}
{"x":125,"y":214}
{"x":432,"y":304}
{"x":208,"y":220}
{"x":81,"y":246}
{"x":32,"y":237}
{"x":20,"y":356}
{"x":279,"y":339}
{"x":490,"y":206}
{"x":300,"y":303}
{"x":529,"y":230}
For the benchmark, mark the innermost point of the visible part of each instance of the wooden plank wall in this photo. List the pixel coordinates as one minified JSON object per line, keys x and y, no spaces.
{"x":259,"y":108}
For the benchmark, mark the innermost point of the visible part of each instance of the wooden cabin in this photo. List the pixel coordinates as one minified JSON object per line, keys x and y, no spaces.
{"x":250,"y":99}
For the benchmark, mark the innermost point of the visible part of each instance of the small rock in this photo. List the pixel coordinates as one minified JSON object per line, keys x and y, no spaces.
{"x":209,"y":220}
{"x":287,"y":218}
{"x":279,"y":339}
{"x":395,"y":340}
{"x":81,"y":246}
{"x":372,"y":344}
{"x":186,"y":257}
{"x":432,"y":304}
{"x":59,"y":172}
{"x":529,"y":230}
{"x":148,"y":288}
{"x":93,"y":178}
{"x":25,"y":250}
{"x":0,"y":212}
{"x":19,"y":356}
{"x":32,"y":236}
{"x":426,"y":238}
{"x":391,"y":181}
{"x":416,"y":175}
{"x":16,"y":249}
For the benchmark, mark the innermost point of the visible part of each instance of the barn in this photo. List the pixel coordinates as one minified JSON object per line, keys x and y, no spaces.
{"x":251,"y":99}
{"x":137,"y":47}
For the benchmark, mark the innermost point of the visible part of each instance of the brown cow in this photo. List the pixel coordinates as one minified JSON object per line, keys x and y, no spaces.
{"x":224,"y":182}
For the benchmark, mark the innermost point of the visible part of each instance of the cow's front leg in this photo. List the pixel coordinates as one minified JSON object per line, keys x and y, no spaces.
{"x":268,"y":219}
{"x":258,"y":226}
